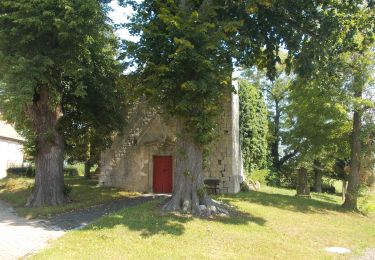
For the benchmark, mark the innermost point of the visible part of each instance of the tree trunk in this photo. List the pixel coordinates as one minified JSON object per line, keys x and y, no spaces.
{"x":303,"y":188}
{"x":87,"y":161}
{"x":275,"y":145}
{"x":355,"y":158}
{"x":344,"y":187}
{"x":317,"y":177}
{"x":189,"y":194}
{"x":49,"y":161}
{"x":87,"y":169}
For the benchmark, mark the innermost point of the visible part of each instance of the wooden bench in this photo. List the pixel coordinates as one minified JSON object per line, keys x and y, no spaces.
{"x":212,"y":186}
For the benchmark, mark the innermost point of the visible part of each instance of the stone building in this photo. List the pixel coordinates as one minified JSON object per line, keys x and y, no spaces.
{"x":142,"y":158}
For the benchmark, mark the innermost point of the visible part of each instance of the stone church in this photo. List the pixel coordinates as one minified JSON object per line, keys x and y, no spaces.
{"x":142,"y":158}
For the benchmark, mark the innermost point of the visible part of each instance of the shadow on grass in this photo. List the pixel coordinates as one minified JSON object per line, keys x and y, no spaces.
{"x":149,"y":221}
{"x":287,"y":202}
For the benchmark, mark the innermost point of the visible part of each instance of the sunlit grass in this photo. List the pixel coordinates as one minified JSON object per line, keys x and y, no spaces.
{"x":85,"y":193}
{"x":271,"y":224}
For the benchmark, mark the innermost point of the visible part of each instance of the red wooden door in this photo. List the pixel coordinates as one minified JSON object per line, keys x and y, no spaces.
{"x":163,"y":171}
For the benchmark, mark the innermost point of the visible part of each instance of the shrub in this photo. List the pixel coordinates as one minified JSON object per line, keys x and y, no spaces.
{"x":70,"y":171}
{"x":260,"y":175}
{"x":30,"y":171}
{"x":244,"y":186}
{"x":22,"y":171}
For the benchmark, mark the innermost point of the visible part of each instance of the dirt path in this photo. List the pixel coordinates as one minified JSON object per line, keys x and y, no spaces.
{"x":20,"y":237}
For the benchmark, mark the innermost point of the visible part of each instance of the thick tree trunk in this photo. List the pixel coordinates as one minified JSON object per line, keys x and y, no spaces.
{"x":317,"y":177}
{"x":87,"y":156}
{"x":189,"y":194}
{"x":49,"y":161}
{"x":355,"y":158}
{"x":87,"y":168}
{"x":303,"y":188}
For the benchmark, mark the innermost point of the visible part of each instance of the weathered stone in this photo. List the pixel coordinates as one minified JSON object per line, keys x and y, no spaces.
{"x":156,"y":135}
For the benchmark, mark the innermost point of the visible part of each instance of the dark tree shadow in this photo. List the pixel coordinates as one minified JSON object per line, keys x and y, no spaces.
{"x":148,"y":219}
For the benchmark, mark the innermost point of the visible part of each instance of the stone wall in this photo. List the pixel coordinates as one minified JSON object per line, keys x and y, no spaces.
{"x":129,"y":162}
{"x":225,"y":157}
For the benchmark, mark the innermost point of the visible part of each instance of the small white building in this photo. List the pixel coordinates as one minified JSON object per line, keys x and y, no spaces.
{"x":11,"y":148}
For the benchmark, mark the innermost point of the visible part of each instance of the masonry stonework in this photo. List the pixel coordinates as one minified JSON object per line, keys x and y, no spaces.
{"x":129,"y":162}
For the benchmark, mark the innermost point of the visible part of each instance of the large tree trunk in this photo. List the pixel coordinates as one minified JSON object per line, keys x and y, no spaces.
{"x":303,"y":188}
{"x":355,"y":158}
{"x":189,"y":194}
{"x":49,"y":161}
{"x":317,"y":177}
{"x":87,"y":167}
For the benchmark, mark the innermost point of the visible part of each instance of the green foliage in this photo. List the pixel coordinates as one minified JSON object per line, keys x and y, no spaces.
{"x":68,"y":46}
{"x":253,"y":126}
{"x":22,"y":171}
{"x":260,"y":175}
{"x":187,"y":49}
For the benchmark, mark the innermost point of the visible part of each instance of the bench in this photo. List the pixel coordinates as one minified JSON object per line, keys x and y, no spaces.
{"x":212,"y":186}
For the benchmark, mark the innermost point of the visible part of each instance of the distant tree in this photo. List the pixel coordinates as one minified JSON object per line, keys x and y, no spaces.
{"x":276,"y":95}
{"x":253,"y":126}
{"x":53,"y":53}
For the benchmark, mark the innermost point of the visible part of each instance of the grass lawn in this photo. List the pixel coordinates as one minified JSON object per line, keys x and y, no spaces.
{"x":271,"y":224}
{"x":85,"y":193}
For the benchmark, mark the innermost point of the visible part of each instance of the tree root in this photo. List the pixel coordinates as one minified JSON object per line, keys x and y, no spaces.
{"x":206,"y":208}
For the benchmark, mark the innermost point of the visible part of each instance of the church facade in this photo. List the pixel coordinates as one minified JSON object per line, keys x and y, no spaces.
{"x":142,"y":159}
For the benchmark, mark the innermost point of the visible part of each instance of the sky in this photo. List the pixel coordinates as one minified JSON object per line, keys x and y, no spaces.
{"x":120,"y":15}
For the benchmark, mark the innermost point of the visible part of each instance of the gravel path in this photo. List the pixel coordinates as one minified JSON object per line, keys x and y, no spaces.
{"x":80,"y":218}
{"x":20,"y":237}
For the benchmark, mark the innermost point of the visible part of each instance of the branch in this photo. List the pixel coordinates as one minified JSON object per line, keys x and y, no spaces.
{"x":287,"y":157}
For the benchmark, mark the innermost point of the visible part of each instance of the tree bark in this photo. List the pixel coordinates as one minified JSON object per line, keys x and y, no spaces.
{"x":87,"y":161}
{"x":275,"y":144}
{"x":317,"y":177}
{"x":49,"y":161}
{"x":87,"y":168}
{"x":355,"y":158}
{"x":303,"y":188}
{"x":189,"y":194}
{"x":344,"y":187}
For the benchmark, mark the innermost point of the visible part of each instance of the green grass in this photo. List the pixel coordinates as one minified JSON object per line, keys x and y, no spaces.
{"x":271,"y":224}
{"x":85,"y":193}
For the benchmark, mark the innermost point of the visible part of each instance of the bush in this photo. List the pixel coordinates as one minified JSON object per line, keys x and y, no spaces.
{"x":260,"y":175}
{"x":22,"y":171}
{"x":328,"y":188}
{"x":70,"y":171}
{"x":30,"y":171}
